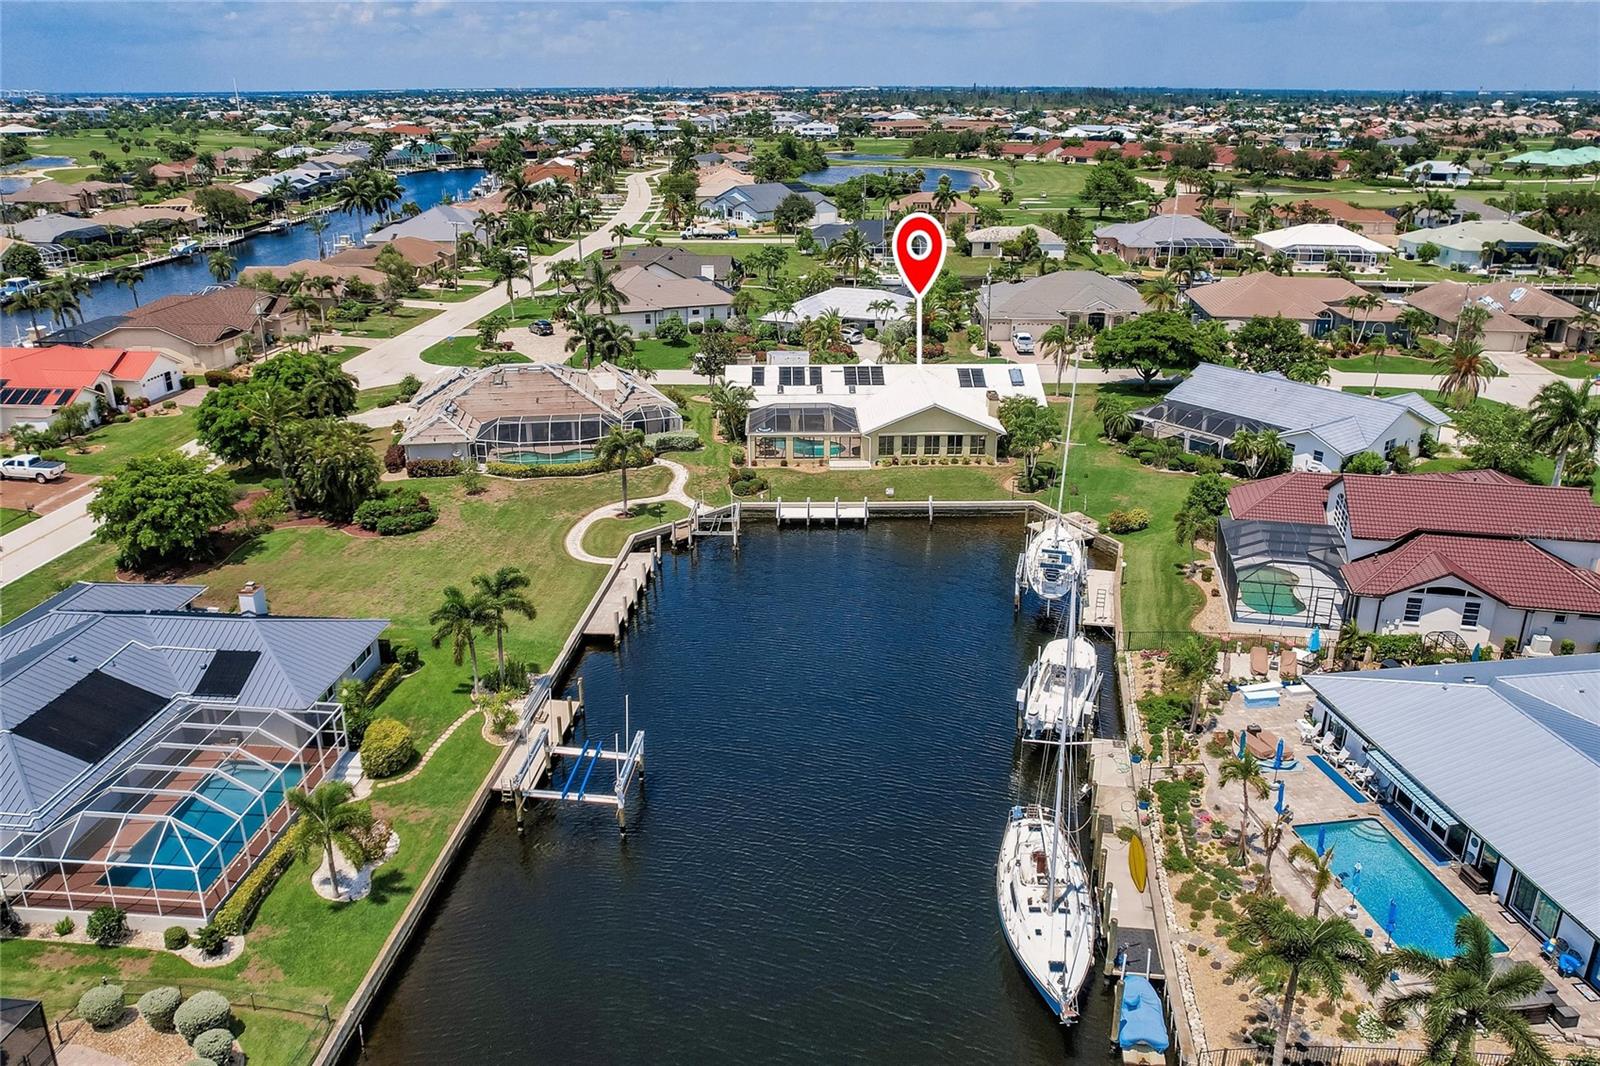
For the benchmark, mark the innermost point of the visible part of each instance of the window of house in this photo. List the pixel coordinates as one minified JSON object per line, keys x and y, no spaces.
{"x":930,"y":444}
{"x":647,"y":319}
{"x":1413,"y":609}
{"x":908,"y":445}
{"x":1559,"y":619}
{"x":1016,"y":376}
{"x":694,"y":312}
{"x":886,"y":444}
{"x":758,"y":376}
{"x":952,"y":444}
{"x":792,"y":375}
{"x":1388,"y":445}
{"x":1317,"y":455}
{"x":977,"y":444}
{"x":1469,"y":614}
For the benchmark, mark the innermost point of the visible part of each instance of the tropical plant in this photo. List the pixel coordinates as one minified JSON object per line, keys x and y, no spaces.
{"x":328,"y":820}
{"x":1161,"y":294}
{"x":1565,"y":423}
{"x":129,"y":277}
{"x":1246,"y":770}
{"x":1262,"y":452}
{"x":1463,"y":369}
{"x":1293,"y":947}
{"x":458,"y":619}
{"x":274,"y":410}
{"x":1463,"y":996}
{"x":730,"y":406}
{"x":502,"y":594}
{"x":221,"y":265}
{"x":622,"y":447}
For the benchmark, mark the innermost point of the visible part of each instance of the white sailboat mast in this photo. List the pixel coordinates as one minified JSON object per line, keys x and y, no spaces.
{"x":1066,"y":439}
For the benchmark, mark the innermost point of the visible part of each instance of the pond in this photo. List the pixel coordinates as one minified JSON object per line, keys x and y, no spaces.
{"x":426,"y":188}
{"x":810,"y":875}
{"x":844,"y":166}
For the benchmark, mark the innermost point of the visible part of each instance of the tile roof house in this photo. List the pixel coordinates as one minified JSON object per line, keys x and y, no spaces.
{"x":1473,"y":553}
{"x":119,"y":702}
{"x":1518,"y":312}
{"x":1064,"y":297}
{"x":923,"y":201}
{"x":1162,"y":236}
{"x":1498,"y":763}
{"x":1323,"y":426}
{"x":1315,"y":303}
{"x":35,"y":383}
{"x":201,"y":330}
{"x":649,"y":296}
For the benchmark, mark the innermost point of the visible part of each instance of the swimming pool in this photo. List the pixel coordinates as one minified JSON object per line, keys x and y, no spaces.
{"x":1426,"y":911}
{"x":1270,"y":590}
{"x":1345,"y":786}
{"x":172,"y":846}
{"x":571,"y":455}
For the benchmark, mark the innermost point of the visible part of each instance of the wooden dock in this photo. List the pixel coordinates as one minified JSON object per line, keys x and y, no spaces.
{"x":1100,"y":599}
{"x":626,"y":590}
{"x":822,"y":511}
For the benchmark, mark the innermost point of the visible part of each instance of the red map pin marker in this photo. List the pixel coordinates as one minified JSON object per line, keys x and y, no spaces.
{"x":919,"y":248}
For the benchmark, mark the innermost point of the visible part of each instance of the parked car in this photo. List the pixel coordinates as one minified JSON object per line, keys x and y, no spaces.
{"x":608,"y":253}
{"x":1023,"y":342}
{"x":31,"y":468}
{"x":541,"y":327}
{"x":853,"y":335}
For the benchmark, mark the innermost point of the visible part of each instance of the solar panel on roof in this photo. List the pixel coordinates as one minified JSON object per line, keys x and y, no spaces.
{"x":92,"y":718}
{"x":226,"y":674}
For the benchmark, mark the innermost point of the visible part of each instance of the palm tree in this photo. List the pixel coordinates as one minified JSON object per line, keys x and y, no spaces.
{"x":275,"y":409}
{"x":318,"y":225}
{"x":1160,"y":293}
{"x":1281,"y":264}
{"x":1465,"y":994}
{"x":130,"y":277}
{"x":458,"y":620}
{"x":1417,"y":323}
{"x":32,"y":301}
{"x":327,"y":820}
{"x":1463,"y":369}
{"x":1286,"y":945}
{"x":598,"y":290}
{"x":1056,"y":346}
{"x":944,"y":197}
{"x":221,"y":265}
{"x":1260,"y":452}
{"x":619,"y":233}
{"x":304,"y":306}
{"x":623,"y":446}
{"x":1566,"y":421}
{"x":1321,"y":871}
{"x":501,"y":593}
{"x":851,"y":249}
{"x":1246,"y":770}
{"x":565,"y":272}
{"x":1489,"y":251}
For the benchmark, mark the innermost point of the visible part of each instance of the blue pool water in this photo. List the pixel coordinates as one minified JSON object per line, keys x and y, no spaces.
{"x":1427,"y":911}
{"x":1346,"y":787}
{"x":571,"y":455}
{"x":426,"y":188}
{"x":203,"y":818}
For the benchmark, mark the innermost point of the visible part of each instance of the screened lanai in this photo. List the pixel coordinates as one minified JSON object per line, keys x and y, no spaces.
{"x":804,"y":431}
{"x":568,"y":436}
{"x":1282,"y":573}
{"x":177,"y":825}
{"x":1200,"y":428}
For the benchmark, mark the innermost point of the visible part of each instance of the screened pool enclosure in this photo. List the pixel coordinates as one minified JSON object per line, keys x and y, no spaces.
{"x":180,"y":822}
{"x":1285,"y":573}
{"x":565,"y":437}
{"x":804,"y":431}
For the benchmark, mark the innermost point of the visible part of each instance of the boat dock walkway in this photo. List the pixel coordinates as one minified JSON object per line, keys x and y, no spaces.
{"x":823,"y":511}
{"x":624,"y":594}
{"x":541,"y":742}
{"x":1128,"y":912}
{"x":1100,"y":599}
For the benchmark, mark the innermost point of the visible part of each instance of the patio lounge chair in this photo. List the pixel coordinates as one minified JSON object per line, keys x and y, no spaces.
{"x":1258,"y":661}
{"x":1288,"y":665}
{"x":1307,"y":731}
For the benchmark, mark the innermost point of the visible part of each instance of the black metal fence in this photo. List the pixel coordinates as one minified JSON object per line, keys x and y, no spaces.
{"x":315,"y":1015}
{"x":1336,"y":1055}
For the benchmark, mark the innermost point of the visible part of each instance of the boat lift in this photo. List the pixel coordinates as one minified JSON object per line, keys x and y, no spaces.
{"x":578,"y":784}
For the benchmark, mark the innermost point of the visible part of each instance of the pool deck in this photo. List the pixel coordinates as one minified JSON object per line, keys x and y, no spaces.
{"x":1313,"y":797}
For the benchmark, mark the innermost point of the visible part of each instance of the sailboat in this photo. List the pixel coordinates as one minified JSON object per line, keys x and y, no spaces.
{"x":1042,"y":890}
{"x":1054,"y":561}
{"x":1055,"y":687}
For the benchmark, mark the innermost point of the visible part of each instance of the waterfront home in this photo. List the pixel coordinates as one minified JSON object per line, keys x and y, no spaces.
{"x":1316,"y":304}
{"x":441,"y":224}
{"x":854,"y":305}
{"x":1158,"y":238}
{"x":1518,"y":312}
{"x":649,"y":297}
{"x":854,"y":415}
{"x":530,"y":413}
{"x":1463,"y":244}
{"x":1438,"y":172}
{"x":202,"y":330}
{"x":1322,"y":426}
{"x":1469,"y":557}
{"x":678,"y":262}
{"x":1064,"y":298}
{"x":960,"y":209}
{"x":35,"y":383}
{"x":990,"y":241}
{"x":149,"y":743}
{"x":1316,"y":244}
{"x":749,"y":205}
{"x":1493,"y":767}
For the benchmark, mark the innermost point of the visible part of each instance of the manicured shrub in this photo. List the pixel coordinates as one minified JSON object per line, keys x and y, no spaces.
{"x":396,"y":512}
{"x":218,"y":378}
{"x":101,"y":1006}
{"x":1130,"y":520}
{"x":158,"y":1005}
{"x":214,"y":1045}
{"x":65,"y":927}
{"x":1508,"y":648}
{"x":200,"y":1012}
{"x":107,"y":926}
{"x":210,"y":939}
{"x":673,"y":442}
{"x":697,"y":327}
{"x":433,"y":468}
{"x":394,"y":458}
{"x":383,"y":683}
{"x":1568,"y":647}
{"x":387,"y":748}
{"x":235,"y":914}
{"x":401,"y":524}
{"x":176,"y":938}
{"x":406,"y":654}
{"x":579,"y":469}
{"x":409,"y":386}
{"x":672,"y":330}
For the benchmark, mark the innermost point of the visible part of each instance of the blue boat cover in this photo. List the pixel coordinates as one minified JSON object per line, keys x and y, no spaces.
{"x":1140,"y":1023}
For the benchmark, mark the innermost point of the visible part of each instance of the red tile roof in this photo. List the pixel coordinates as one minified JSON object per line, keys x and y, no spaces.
{"x":1512,"y":571}
{"x":64,"y":365}
{"x":1394,"y":506}
{"x":1283,"y":498}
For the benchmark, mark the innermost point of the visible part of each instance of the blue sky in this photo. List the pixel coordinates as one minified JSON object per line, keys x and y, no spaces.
{"x":151,"y":46}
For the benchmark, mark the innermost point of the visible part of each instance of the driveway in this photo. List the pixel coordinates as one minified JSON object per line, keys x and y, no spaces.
{"x":47,"y":497}
{"x":393,"y":359}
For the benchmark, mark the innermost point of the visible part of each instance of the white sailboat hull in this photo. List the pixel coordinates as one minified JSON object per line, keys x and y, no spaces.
{"x":1054,"y":561}
{"x":1044,"y":694}
{"x":1053,"y":940}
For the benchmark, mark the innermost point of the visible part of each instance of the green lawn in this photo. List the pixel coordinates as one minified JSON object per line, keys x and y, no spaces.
{"x":113,"y":444}
{"x":1581,"y":366}
{"x":451,"y":296}
{"x":607,"y":536}
{"x":14,"y":518}
{"x":1391,"y":363}
{"x":464,"y":351}
{"x":385,"y":326}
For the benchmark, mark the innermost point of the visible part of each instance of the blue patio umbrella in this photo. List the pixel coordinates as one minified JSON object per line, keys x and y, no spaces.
{"x":1279,"y":805}
{"x":1315,"y":644}
{"x":1389,"y":922}
{"x":1477,"y":652}
{"x":1277,"y":757}
{"x":1241,"y":743}
{"x":1355,"y":878}
{"x":1322,"y":840}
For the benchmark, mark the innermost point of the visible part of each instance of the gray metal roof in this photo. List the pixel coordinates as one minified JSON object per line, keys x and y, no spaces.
{"x":138,"y":634}
{"x":1511,"y":747}
{"x":1159,"y":231}
{"x":763,"y":198}
{"x":1346,"y":421}
{"x":442,"y":223}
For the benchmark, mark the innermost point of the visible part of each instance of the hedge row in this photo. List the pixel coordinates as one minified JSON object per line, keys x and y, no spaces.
{"x":580,"y":469}
{"x":661,"y":443}
{"x":433,"y":468}
{"x":383,"y":682}
{"x":236,"y":914}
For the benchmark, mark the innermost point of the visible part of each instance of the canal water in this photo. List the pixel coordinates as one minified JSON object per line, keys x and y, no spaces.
{"x":810,"y":877}
{"x":426,"y":188}
{"x":844,"y":166}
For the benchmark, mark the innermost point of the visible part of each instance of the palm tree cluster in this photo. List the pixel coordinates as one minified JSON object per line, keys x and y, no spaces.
{"x":461,"y":617}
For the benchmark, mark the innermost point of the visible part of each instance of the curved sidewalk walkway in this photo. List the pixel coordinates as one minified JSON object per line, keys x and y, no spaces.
{"x":674,"y":493}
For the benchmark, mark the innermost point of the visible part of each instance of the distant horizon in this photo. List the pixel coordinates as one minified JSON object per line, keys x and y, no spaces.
{"x":1269,"y":46}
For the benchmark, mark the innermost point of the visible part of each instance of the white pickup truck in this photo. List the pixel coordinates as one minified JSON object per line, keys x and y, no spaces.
{"x":31,"y":468}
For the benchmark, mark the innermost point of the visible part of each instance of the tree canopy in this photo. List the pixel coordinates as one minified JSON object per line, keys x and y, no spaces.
{"x":160,"y":507}
{"x":1264,"y":345}
{"x":1157,"y":341}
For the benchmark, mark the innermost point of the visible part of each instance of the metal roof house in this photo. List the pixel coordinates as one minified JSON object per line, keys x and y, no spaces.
{"x":1498,"y":765}
{"x":1161,"y":237}
{"x":146,"y":745}
{"x":752,"y":204}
